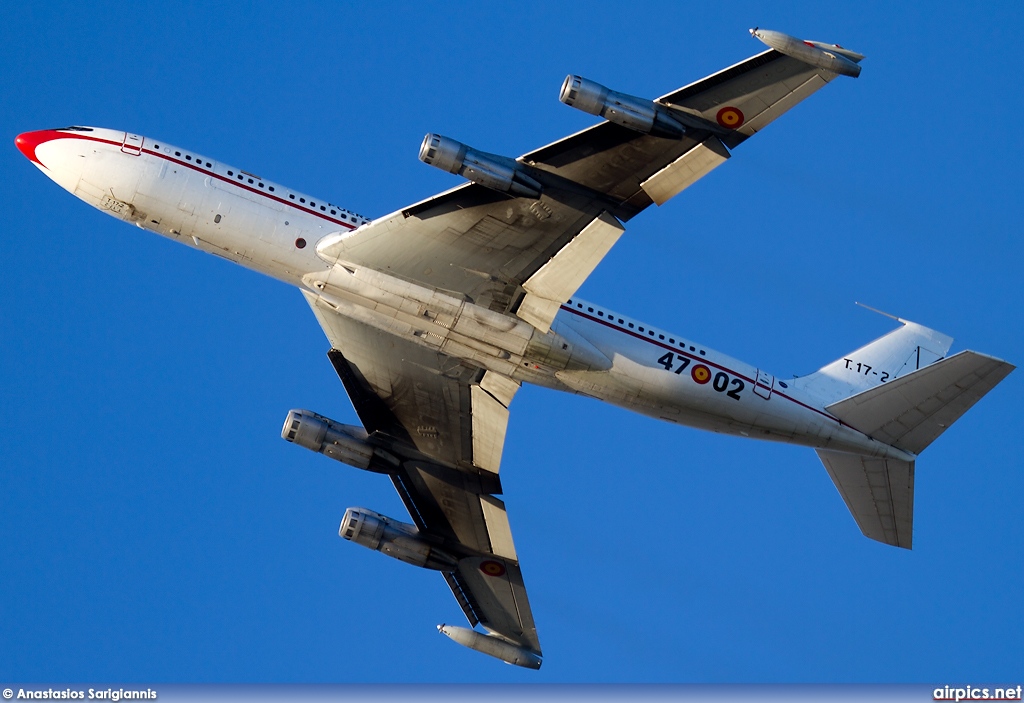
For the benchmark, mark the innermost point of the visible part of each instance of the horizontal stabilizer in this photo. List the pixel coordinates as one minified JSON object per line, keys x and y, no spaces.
{"x":878,"y":492}
{"x":911,"y":411}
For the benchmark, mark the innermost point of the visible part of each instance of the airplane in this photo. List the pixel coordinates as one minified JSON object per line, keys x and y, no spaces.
{"x":438,"y":312}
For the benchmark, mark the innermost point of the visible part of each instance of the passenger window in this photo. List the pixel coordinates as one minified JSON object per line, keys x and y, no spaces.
{"x":188,"y":158}
{"x":250,"y":180}
{"x":630,"y":325}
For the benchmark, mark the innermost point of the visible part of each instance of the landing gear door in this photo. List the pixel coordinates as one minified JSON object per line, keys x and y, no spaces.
{"x":764,"y":384}
{"x":132,"y":144}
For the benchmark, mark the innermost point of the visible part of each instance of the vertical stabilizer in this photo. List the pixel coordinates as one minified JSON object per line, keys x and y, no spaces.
{"x":902,"y":351}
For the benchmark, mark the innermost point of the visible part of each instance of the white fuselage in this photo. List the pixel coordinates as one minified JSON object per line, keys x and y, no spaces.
{"x":272,"y":229}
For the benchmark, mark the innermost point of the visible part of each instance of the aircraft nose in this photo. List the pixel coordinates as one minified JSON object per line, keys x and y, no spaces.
{"x":28,"y":142}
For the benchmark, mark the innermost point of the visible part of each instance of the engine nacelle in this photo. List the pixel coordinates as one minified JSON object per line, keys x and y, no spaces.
{"x":394,"y":538}
{"x":344,"y":443}
{"x":489,"y":170}
{"x":631,"y":112}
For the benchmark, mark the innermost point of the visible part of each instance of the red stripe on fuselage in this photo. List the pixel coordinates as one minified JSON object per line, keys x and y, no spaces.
{"x":186,"y":164}
{"x":701,"y":359}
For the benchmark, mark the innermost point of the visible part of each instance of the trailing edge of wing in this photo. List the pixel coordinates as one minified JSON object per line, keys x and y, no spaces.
{"x":498,"y":597}
{"x":559,"y":279}
{"x":487,"y":245}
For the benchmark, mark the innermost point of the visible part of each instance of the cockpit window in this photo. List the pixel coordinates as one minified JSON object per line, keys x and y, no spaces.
{"x":73,"y":128}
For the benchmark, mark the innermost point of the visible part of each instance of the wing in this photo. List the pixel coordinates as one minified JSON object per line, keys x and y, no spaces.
{"x":488,"y":245}
{"x":444,"y":418}
{"x":445,"y":421}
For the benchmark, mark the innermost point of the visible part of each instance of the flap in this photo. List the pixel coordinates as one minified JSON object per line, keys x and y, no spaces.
{"x":563,"y":274}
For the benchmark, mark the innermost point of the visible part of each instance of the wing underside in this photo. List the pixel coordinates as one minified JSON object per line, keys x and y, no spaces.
{"x":438,"y":416}
{"x":486,"y":245}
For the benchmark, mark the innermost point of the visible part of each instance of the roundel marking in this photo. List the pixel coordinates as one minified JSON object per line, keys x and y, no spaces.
{"x":730,"y":117}
{"x":492,"y":568}
{"x":701,"y":374}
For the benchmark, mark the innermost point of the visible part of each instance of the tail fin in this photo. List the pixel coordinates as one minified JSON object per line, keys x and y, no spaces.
{"x":908,"y":413}
{"x":902,"y":351}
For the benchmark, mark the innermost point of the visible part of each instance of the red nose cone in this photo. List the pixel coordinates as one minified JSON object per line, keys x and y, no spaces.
{"x":28,"y":142}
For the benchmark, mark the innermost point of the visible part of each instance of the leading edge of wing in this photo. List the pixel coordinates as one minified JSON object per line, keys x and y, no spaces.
{"x":549,"y":151}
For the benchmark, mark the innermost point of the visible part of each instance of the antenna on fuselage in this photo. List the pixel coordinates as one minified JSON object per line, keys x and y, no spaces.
{"x":880,"y":312}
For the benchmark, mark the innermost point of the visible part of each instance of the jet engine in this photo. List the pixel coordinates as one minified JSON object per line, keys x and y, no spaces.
{"x":394,"y":538}
{"x":489,"y":170}
{"x":344,"y":443}
{"x":634,"y":113}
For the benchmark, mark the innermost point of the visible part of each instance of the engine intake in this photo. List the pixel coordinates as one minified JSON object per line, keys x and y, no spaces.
{"x":634,"y":113}
{"x":489,"y":170}
{"x":344,"y":443}
{"x":394,"y":538}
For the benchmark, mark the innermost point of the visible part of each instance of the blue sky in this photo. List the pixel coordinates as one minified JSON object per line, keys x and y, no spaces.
{"x":154,"y":526}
